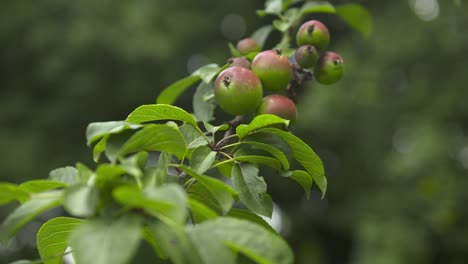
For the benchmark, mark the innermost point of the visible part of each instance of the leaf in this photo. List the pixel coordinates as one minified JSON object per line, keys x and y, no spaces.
{"x":251,"y":217}
{"x":84,"y":172}
{"x":52,"y":238}
{"x":149,"y":237}
{"x":252,"y":189}
{"x":305,"y":155}
{"x":234,"y":51}
{"x":107,"y":173}
{"x":270,"y":162}
{"x":170,"y":94}
{"x":208,"y":72}
{"x":203,"y":102}
{"x":224,"y":234}
{"x":168,"y":202}
{"x":317,"y":7}
{"x":97,"y":130}
{"x":276,"y":153}
{"x":261,"y":34}
{"x":37,"y":186}
{"x":175,"y":243}
{"x":158,"y":112}
{"x":258,"y":122}
{"x":25,"y":213}
{"x":68,"y":175}
{"x":99,"y":148}
{"x":160,"y":173}
{"x":81,"y":200}
{"x":271,"y":7}
{"x":222,"y":192}
{"x":156,"y":138}
{"x":202,"y":158}
{"x":303,"y":178}
{"x":203,"y":195}
{"x":281,"y":25}
{"x":213,"y":129}
{"x":10,"y":192}
{"x":274,"y":141}
{"x":106,"y":241}
{"x":200,"y":212}
{"x":357,"y":17}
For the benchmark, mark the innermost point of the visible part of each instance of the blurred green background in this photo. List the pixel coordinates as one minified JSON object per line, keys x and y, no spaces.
{"x":393,"y":134}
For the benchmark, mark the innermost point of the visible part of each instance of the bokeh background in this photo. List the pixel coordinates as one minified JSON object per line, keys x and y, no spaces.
{"x":393,"y":134}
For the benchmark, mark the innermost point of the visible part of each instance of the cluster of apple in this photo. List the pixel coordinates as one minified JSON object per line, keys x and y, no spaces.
{"x":239,"y":88}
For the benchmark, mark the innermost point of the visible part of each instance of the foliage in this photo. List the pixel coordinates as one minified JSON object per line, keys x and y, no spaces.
{"x":164,"y":178}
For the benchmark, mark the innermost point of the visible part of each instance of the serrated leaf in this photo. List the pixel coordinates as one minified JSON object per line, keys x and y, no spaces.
{"x":170,"y":94}
{"x":68,"y":175}
{"x":303,"y":178}
{"x":97,"y":130}
{"x":25,"y":213}
{"x":201,"y":159}
{"x":317,"y":7}
{"x":37,"y":186}
{"x":175,"y":243}
{"x":252,"y":189}
{"x":234,"y":51}
{"x":156,"y":138}
{"x":258,"y":122}
{"x":106,"y":241}
{"x":203,"y":102}
{"x":200,"y":212}
{"x":251,"y":217}
{"x":158,"y":112}
{"x":261,"y":34}
{"x":10,"y":192}
{"x":357,"y":17}
{"x":81,"y":200}
{"x":222,"y":192}
{"x":305,"y":155}
{"x":224,"y":234}
{"x":52,"y":238}
{"x":168,"y":202}
{"x":276,"y":153}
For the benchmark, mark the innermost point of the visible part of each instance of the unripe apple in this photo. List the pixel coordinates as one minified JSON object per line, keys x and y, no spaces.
{"x":306,"y":56}
{"x":248,"y":45}
{"x":241,"y":62}
{"x":329,"y":68}
{"x":273,"y":69}
{"x":279,"y":105}
{"x":313,"y":33}
{"x":238,"y":91}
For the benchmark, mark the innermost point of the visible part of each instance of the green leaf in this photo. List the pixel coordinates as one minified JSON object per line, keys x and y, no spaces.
{"x":357,"y":17}
{"x":171,"y":93}
{"x":149,"y":237}
{"x":160,"y":173}
{"x":317,"y":7}
{"x":224,"y":234}
{"x":202,"y":158}
{"x":258,"y":122}
{"x":99,"y":148}
{"x":107,"y":174}
{"x":106,"y":241}
{"x":203,"y":102}
{"x":213,"y":129}
{"x":261,"y":34}
{"x":276,"y":153}
{"x":234,"y":51}
{"x":271,"y":7}
{"x":24,"y":261}
{"x":25,"y":213}
{"x":281,"y":25}
{"x":84,"y":172}
{"x":97,"y":130}
{"x":203,"y":195}
{"x":272,"y":140}
{"x":222,"y":192}
{"x":81,"y":200}
{"x":68,"y":175}
{"x":158,"y":112}
{"x":168,"y":202}
{"x":208,"y":72}
{"x":305,"y":155}
{"x":175,"y":243}
{"x":52,"y":238}
{"x":251,"y":217}
{"x":156,"y":138}
{"x":270,"y":162}
{"x":10,"y":192}
{"x":200,"y":212}
{"x":252,"y":189}
{"x":303,"y":178}
{"x":37,"y":186}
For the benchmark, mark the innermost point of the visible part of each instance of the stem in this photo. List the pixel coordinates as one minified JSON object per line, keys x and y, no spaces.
{"x":225,"y":154}
{"x":231,"y":145}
